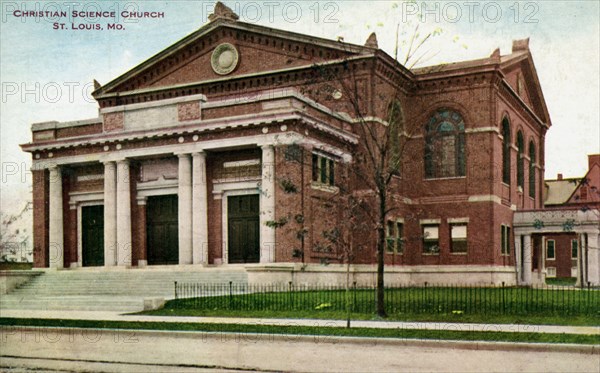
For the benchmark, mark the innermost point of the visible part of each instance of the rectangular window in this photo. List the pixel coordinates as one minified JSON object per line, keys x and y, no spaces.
{"x":550,"y":249}
{"x":505,"y":239}
{"x":390,"y":237}
{"x":400,"y":238}
{"x":323,"y":170}
{"x":315,"y":167}
{"x":394,"y":237}
{"x":431,"y":239}
{"x":574,"y":249}
{"x":458,"y":238}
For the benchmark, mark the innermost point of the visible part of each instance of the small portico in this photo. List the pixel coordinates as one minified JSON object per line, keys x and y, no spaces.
{"x":583,"y":224}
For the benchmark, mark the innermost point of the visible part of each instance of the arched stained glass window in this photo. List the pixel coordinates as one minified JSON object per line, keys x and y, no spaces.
{"x":532,"y":160}
{"x":445,"y":145}
{"x":506,"y":151}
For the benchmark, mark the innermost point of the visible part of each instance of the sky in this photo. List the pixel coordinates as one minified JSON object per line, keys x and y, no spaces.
{"x":47,"y":73}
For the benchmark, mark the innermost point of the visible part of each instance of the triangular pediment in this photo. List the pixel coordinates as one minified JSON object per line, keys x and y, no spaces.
{"x":522,"y":76}
{"x":210,"y":52}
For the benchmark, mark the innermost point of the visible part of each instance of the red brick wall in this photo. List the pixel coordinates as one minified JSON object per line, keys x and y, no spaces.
{"x":562,"y":248}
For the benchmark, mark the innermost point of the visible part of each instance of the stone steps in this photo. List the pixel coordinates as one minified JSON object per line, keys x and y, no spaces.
{"x":110,"y":290}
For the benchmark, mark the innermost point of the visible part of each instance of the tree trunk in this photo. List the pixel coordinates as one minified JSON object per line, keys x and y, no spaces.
{"x":380,"y":256}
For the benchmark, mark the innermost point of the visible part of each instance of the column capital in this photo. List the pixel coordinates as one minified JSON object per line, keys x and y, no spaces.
{"x":267,"y":146}
{"x":123,"y":161}
{"x":199,"y":153}
{"x":183,"y":155}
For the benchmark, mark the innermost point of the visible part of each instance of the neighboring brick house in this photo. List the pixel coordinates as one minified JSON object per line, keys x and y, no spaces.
{"x":561,"y":254}
{"x":227,"y":147}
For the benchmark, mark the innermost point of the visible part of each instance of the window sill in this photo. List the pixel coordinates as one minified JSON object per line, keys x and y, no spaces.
{"x":505,"y":254}
{"x":550,"y":259}
{"x":389,"y":253}
{"x":324,"y":187}
{"x":463,"y":254}
{"x":431,"y":254}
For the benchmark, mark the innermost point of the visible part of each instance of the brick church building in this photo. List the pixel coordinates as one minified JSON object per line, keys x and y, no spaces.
{"x":229,"y":147}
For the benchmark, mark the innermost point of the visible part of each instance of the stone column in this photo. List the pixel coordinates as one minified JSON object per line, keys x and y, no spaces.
{"x":185,"y":209}
{"x":267,"y":205}
{"x":110,"y":214}
{"x":56,"y":243}
{"x":123,"y":214}
{"x":200,"y":210}
{"x":527,"y":259}
{"x":518,"y":261}
{"x":593,"y":258}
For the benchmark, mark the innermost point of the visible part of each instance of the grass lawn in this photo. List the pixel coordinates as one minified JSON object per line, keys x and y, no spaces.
{"x":415,"y":317}
{"x":8,"y":266}
{"x":308,"y":330}
{"x":471,"y":305}
{"x":561,"y":281}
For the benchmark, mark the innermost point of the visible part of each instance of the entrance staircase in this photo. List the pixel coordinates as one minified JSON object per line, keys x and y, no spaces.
{"x":109,"y":290}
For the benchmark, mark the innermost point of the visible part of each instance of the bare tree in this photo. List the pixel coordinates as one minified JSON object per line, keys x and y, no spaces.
{"x":14,"y":241}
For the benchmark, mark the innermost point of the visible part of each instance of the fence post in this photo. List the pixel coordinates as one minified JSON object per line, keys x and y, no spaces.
{"x":176,"y":290}
{"x":503,"y":300}
{"x":230,"y":293}
{"x":354,"y":296}
{"x":291,"y":305}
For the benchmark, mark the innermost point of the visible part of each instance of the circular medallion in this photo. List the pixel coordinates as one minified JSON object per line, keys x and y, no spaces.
{"x":224,"y":59}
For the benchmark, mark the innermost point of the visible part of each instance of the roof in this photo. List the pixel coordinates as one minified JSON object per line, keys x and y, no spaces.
{"x":520,"y":56}
{"x":558,"y":192}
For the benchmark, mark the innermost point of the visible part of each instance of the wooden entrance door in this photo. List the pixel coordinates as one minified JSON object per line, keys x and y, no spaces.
{"x":162,"y":232}
{"x":92,"y":236}
{"x":243,"y":229}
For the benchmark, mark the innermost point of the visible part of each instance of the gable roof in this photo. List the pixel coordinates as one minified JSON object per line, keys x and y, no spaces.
{"x":520,"y":57}
{"x":217,"y":23}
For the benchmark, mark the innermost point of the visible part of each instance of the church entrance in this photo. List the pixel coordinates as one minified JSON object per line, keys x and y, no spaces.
{"x":162,"y":234}
{"x":243,"y":229}
{"x":92,"y":236}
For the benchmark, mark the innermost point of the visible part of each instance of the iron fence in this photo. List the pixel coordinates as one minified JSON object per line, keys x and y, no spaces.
{"x":427,"y":298}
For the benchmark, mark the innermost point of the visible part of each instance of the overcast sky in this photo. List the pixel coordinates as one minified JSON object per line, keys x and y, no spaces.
{"x":46,"y":74}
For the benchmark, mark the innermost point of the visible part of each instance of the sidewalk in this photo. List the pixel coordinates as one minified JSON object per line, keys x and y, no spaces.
{"x":115,"y":316}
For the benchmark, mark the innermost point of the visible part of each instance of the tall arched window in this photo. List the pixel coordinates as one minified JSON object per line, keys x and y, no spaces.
{"x":445,"y":145}
{"x":532,"y":169}
{"x":396,"y":123}
{"x":520,"y":161}
{"x":506,"y":151}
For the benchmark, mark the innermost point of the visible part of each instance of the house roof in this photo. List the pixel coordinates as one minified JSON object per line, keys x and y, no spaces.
{"x":558,"y":192}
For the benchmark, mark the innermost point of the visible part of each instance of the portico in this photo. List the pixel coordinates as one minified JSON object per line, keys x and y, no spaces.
{"x":129,"y":171}
{"x":584,"y":224}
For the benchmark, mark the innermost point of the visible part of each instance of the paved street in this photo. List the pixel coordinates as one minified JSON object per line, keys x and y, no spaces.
{"x":179,"y":351}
